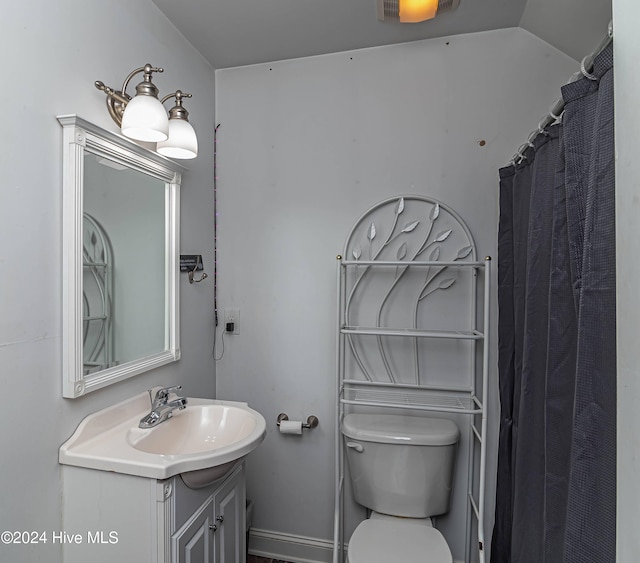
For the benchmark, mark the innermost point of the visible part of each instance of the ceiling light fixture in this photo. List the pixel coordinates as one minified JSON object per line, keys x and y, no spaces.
{"x":413,"y":11}
{"x":144,"y":117}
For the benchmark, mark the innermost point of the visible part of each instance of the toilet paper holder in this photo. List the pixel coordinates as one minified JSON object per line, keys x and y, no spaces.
{"x":312,"y":421}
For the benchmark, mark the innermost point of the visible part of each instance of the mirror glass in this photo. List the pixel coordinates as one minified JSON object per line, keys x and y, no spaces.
{"x":123,"y":256}
{"x":120,"y":216}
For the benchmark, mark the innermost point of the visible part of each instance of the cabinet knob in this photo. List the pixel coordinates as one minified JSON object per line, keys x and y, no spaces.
{"x":219,"y":518}
{"x":213,"y":527}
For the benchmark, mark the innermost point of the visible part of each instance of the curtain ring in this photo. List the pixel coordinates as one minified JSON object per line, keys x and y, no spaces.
{"x":541,"y":130}
{"x":555,"y":117}
{"x":520,"y":156}
{"x":584,"y":72}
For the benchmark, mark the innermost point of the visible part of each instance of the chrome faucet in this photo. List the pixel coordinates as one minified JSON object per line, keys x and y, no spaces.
{"x":161,"y":408}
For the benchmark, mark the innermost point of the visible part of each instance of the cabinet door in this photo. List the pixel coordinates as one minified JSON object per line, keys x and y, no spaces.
{"x":193,"y":543}
{"x":229,"y":514}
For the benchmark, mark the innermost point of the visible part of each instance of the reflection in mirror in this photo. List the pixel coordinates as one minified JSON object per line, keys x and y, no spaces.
{"x":120,"y":217}
{"x":128,"y":208}
{"x":97,"y":297}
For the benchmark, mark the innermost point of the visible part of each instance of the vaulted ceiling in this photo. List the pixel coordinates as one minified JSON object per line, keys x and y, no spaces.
{"x":232,"y":33}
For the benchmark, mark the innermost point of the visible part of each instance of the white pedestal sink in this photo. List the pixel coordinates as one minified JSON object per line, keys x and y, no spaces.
{"x":201,"y":442}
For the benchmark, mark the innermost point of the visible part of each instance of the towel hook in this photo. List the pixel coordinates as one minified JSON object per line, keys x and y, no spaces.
{"x":204,"y":275}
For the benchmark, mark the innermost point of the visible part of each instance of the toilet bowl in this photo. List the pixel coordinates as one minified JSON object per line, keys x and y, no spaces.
{"x":401,"y":467}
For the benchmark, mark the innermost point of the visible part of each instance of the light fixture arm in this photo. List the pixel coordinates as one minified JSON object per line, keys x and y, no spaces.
{"x":178,"y":95}
{"x":147,"y":70}
{"x":117,"y":100}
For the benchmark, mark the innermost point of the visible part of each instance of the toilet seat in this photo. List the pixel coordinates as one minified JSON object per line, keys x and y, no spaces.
{"x":382,"y":541}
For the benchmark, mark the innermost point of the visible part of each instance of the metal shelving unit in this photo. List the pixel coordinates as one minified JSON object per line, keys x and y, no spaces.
{"x":412,"y":333}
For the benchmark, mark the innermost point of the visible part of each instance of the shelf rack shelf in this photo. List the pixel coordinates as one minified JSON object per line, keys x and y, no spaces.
{"x":382,"y":331}
{"x":413,"y":397}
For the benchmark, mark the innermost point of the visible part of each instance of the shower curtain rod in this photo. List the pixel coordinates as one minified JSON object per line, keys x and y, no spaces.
{"x":555,"y":113}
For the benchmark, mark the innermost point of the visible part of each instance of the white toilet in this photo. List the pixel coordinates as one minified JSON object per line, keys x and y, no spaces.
{"x":401,"y":468}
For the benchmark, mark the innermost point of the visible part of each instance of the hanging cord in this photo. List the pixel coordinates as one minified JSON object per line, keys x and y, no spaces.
{"x":215,"y":223}
{"x":555,"y":113}
{"x":218,"y":358}
{"x":215,"y":246}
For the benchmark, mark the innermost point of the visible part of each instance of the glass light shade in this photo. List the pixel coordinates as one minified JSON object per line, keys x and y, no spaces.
{"x":182,"y":141}
{"x":145,"y":119}
{"x":413,"y":11}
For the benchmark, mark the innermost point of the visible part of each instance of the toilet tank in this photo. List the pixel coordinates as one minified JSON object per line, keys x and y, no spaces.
{"x":401,"y":465}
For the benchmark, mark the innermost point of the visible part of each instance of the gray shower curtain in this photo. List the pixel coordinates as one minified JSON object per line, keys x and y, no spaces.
{"x":556,"y":482}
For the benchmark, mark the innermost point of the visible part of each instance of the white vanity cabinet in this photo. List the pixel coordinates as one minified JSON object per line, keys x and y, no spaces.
{"x":111,"y":516}
{"x":215,"y":531}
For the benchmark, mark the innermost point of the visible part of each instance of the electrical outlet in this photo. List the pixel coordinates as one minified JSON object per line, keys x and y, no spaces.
{"x":232,"y":316}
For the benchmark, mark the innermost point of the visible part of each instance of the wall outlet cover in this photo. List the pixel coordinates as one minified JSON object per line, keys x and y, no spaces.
{"x":232,"y":316}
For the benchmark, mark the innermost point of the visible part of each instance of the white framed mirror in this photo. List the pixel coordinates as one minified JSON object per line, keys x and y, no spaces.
{"x":120,"y":216}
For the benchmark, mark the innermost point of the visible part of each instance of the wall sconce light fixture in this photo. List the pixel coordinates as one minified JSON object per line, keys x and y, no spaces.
{"x":144,"y":117}
{"x":413,"y":11}
{"x":182,"y":141}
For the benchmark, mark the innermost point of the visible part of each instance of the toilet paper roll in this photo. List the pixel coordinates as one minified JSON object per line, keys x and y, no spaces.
{"x":291,"y":427}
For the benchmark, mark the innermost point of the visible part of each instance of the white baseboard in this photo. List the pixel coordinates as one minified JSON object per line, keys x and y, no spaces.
{"x":289,"y":547}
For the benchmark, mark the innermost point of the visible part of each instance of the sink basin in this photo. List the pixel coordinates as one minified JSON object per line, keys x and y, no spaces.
{"x":202,"y":441}
{"x":196,"y":429}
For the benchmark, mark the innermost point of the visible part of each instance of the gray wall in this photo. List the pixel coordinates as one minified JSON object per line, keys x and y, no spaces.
{"x":573,"y":26}
{"x":626,"y":14}
{"x":53,"y":52}
{"x":306,"y":146}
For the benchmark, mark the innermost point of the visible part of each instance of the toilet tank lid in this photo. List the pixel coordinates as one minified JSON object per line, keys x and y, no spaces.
{"x":400,"y":429}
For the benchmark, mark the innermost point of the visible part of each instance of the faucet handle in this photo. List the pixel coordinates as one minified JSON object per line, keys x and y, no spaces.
{"x":163,"y":394}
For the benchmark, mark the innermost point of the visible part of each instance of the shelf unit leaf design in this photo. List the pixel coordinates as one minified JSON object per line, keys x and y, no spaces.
{"x":419,"y":239}
{"x":444,"y":235}
{"x":435,"y":212}
{"x":464,"y":252}
{"x":410,"y":226}
{"x":372,"y":231}
{"x":402,"y":251}
{"x":371,"y":234}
